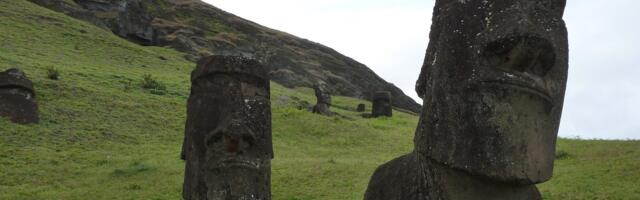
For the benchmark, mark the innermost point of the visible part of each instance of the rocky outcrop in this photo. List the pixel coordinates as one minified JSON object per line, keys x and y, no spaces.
{"x":200,"y":29}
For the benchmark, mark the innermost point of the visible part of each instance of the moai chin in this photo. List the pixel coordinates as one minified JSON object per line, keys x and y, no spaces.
{"x":493,"y":85}
{"x":381,"y":104}
{"x":17,"y":97}
{"x":227,"y":144}
{"x":323,"y":98}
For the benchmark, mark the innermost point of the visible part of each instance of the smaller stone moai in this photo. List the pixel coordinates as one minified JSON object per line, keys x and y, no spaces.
{"x":17,"y":97}
{"x":227,"y":145}
{"x":323,"y":99}
{"x":381,"y":104}
{"x":361,"y":107}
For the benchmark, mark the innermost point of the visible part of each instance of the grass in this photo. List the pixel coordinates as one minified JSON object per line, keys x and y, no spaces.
{"x":102,"y":136}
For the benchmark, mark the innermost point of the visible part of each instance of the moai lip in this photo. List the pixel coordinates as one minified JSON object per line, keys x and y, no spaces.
{"x":17,"y":97}
{"x":493,"y":84}
{"x":227,"y":146}
{"x":382,"y":104}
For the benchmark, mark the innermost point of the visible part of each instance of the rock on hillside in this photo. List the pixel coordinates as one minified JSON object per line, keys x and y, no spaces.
{"x":199,"y":29}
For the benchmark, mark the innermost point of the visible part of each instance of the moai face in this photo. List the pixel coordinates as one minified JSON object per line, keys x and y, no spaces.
{"x":381,"y":104}
{"x":228,"y":140}
{"x":322,"y":93}
{"x":17,"y":97}
{"x":493,"y":86}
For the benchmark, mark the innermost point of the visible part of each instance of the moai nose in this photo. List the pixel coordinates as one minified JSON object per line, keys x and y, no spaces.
{"x":231,"y":145}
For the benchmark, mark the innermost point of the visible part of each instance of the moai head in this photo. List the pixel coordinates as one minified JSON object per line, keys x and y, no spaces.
{"x":322,"y":93}
{"x":493,"y":86}
{"x":361,"y":107}
{"x":228,"y":131}
{"x":17,"y":97}
{"x":381,"y":104}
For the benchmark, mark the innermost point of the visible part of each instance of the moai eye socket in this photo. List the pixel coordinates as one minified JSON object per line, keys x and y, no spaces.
{"x":526,"y":54}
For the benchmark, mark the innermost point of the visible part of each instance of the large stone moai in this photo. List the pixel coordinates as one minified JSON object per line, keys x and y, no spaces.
{"x":381,"y":104}
{"x":17,"y":97}
{"x":323,"y":99}
{"x":493,"y":85}
{"x":361,"y":107}
{"x":227,"y":145}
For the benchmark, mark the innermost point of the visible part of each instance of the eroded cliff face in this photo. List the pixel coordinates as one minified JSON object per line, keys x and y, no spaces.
{"x":199,"y":29}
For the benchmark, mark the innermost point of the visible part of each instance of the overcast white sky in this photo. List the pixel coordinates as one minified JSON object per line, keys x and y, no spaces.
{"x":391,"y":37}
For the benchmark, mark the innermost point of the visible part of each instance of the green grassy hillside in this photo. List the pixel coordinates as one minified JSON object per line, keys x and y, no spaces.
{"x":102,"y":136}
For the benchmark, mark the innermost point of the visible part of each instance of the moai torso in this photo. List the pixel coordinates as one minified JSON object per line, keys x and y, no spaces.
{"x":381,"y":104}
{"x":17,"y":97}
{"x":227,"y":144}
{"x":493,"y":85}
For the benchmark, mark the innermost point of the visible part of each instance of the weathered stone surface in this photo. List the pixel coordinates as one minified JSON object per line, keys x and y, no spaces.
{"x":17,"y":97}
{"x":323,"y":99}
{"x":227,"y":146}
{"x":493,"y":85}
{"x":381,"y":104}
{"x":200,"y":29}
{"x":361,"y":107}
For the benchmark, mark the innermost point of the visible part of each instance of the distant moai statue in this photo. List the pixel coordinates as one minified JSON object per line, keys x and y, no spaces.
{"x":17,"y":97}
{"x":227,"y":143}
{"x":381,"y":104}
{"x":323,"y":99}
{"x":493,"y":85}
{"x":361,"y":107}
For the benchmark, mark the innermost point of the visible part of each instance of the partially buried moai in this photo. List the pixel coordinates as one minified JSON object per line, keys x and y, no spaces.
{"x":323,"y":99}
{"x":227,"y":145}
{"x":381,"y":104}
{"x":493,"y":85}
{"x":17,"y":97}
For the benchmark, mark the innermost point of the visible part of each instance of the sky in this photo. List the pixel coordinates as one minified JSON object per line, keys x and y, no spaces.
{"x":390,"y":37}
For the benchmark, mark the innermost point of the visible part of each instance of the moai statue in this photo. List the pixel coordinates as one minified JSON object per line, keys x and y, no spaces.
{"x":227,"y":145}
{"x":381,"y":104}
{"x":323,"y":99}
{"x":493,"y":85}
{"x":17,"y":97}
{"x":361,"y":107}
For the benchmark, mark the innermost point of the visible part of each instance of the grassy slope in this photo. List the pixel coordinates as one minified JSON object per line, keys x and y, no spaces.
{"x":99,"y":140}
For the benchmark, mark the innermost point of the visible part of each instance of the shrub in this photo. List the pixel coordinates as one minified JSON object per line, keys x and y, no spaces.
{"x":561,"y":155}
{"x":154,"y":86}
{"x":53,"y":73}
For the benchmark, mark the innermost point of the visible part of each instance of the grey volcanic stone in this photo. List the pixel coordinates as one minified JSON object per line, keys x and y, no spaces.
{"x":323,"y":99}
{"x":199,"y":29}
{"x":227,"y":145}
{"x":17,"y":97}
{"x":381,"y":104}
{"x":493,"y":85}
{"x":361,"y":107}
